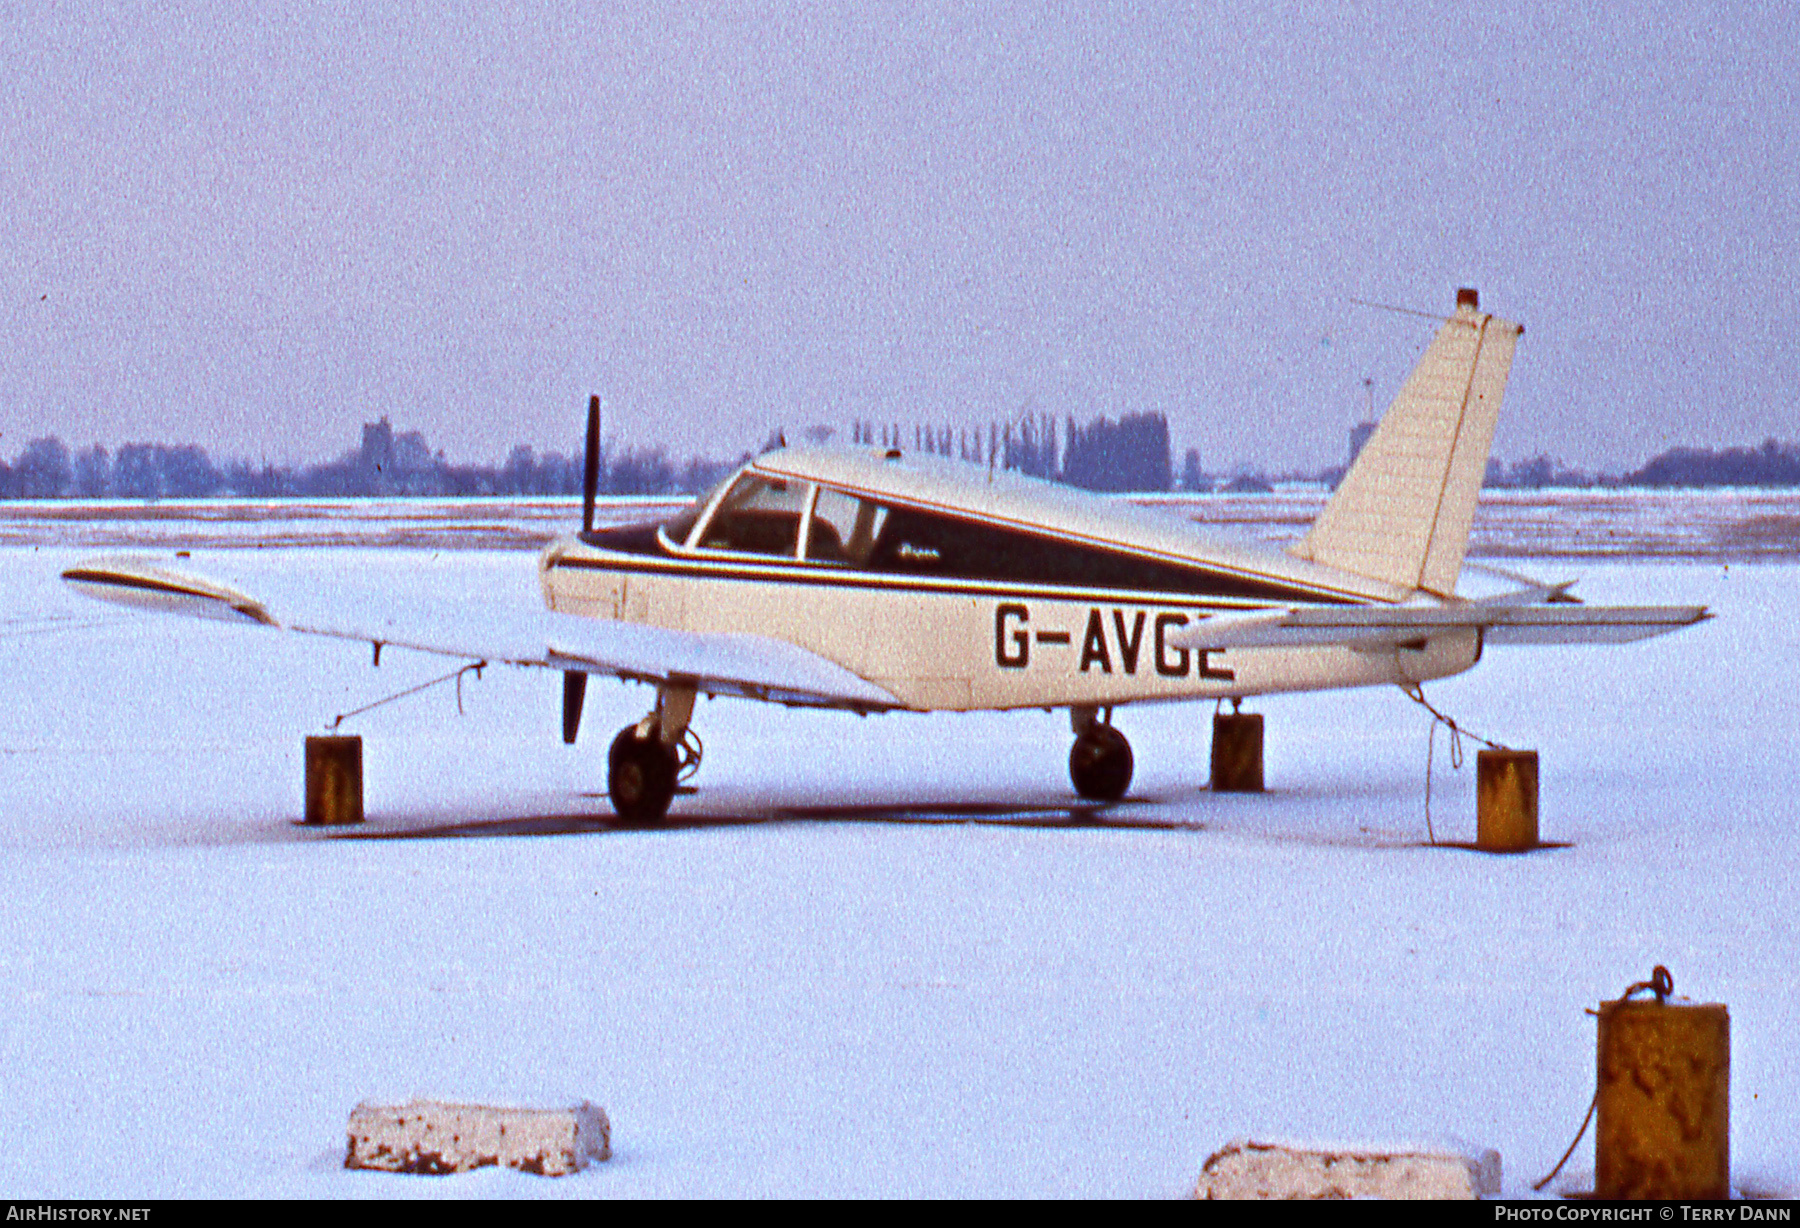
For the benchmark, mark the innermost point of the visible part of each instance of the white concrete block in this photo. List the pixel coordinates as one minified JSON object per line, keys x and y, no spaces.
{"x":429,"y":1136}
{"x":1245,"y":1169}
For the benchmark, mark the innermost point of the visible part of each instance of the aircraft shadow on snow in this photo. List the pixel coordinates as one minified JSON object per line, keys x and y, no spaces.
{"x":940,"y":813}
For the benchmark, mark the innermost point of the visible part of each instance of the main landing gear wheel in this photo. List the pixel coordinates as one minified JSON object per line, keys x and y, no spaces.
{"x":640,"y":776}
{"x":1100,"y":764}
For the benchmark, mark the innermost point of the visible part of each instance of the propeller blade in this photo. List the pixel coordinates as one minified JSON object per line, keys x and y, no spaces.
{"x":574,"y":690}
{"x":590,"y":476}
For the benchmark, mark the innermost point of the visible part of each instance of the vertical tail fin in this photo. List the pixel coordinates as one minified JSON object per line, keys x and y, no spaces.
{"x":1402,"y":513}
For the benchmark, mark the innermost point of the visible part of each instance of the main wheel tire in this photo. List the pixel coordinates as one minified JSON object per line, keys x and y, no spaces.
{"x":640,"y":776}
{"x":1100,"y":764}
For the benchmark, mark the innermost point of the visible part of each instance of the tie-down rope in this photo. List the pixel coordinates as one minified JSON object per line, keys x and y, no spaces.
{"x":457,"y":674}
{"x":1416,"y":693}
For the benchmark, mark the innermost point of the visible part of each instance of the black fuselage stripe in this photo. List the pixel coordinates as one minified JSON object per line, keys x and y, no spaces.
{"x":955,"y":512}
{"x":908,"y":584}
{"x":635,"y":541}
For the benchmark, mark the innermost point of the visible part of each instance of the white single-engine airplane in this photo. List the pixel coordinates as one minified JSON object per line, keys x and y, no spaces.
{"x":884,"y":580}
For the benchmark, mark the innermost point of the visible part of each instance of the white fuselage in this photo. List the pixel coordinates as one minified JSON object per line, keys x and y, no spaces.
{"x":958,"y":642}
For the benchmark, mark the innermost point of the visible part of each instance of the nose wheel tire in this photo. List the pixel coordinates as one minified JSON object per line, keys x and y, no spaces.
{"x":1100,"y":764}
{"x":640,"y":776}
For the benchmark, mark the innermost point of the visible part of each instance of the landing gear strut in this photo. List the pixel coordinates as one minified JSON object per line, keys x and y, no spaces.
{"x":1100,"y":763}
{"x":648,"y":758}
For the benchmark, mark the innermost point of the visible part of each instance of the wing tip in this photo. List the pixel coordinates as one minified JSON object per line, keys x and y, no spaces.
{"x":142,"y":584}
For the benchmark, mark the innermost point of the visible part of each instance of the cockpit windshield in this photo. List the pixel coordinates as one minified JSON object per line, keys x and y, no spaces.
{"x":758,"y":515}
{"x":677,"y":527}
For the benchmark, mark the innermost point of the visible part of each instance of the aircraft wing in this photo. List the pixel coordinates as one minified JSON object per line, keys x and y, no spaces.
{"x":1386,"y":626}
{"x":755,"y":666}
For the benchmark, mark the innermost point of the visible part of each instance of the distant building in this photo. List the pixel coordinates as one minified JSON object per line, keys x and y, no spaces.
{"x":1193,"y":478}
{"x":378,"y":445}
{"x":1359,"y":435}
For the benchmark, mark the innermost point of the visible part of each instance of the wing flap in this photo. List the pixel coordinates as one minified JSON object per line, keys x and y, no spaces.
{"x":755,"y":666}
{"x":1379,"y":627}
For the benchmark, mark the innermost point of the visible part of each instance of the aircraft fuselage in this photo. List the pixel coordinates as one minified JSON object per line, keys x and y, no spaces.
{"x":909,"y":608}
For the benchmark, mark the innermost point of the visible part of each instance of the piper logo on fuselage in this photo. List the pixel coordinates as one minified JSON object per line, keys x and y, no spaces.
{"x":1105,"y":641}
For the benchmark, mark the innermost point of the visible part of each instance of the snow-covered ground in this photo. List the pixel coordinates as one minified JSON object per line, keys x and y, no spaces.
{"x":871,"y":956}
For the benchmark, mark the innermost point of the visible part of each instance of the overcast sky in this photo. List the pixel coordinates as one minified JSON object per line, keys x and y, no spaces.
{"x":255,"y":230}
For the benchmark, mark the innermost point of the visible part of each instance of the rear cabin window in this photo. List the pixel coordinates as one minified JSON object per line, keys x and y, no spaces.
{"x":844,"y":528}
{"x":758,"y":516}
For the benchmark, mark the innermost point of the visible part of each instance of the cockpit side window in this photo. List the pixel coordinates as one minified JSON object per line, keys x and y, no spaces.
{"x":677,"y":527}
{"x":758,"y":515}
{"x":844,"y":528}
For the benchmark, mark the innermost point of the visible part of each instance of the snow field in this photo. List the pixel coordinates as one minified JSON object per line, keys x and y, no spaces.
{"x":878,"y":995}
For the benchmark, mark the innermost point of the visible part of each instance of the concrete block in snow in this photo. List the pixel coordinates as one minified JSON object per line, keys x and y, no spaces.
{"x":1250,"y":1170}
{"x":429,"y":1136}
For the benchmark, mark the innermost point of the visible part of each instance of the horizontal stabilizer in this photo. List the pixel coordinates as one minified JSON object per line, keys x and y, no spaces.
{"x":755,"y":666}
{"x":1382,"y":627}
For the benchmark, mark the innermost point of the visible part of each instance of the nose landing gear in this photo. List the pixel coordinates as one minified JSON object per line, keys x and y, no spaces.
{"x":1100,"y":762}
{"x":648,"y":759}
{"x":640,"y":776}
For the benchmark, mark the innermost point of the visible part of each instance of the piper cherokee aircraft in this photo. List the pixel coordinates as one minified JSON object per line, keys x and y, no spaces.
{"x":884,"y":580}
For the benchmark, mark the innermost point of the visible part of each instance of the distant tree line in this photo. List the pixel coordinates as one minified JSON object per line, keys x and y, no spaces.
{"x":1539,"y":472}
{"x":1131,"y":454}
{"x":388,"y":463}
{"x":1773,"y":464}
